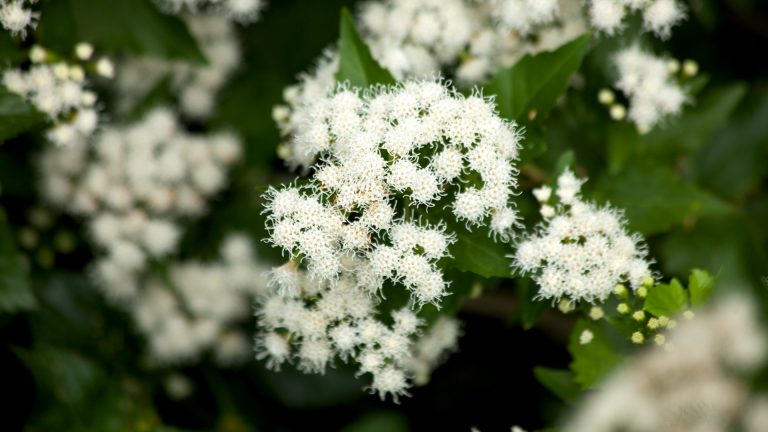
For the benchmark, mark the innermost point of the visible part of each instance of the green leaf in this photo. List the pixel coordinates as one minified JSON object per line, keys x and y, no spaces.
{"x":133,"y":26}
{"x":733,"y":164}
{"x":356,"y":64}
{"x":379,"y":422}
{"x":475,"y":251}
{"x":565,"y":161}
{"x":655,"y":200}
{"x":158,"y":95}
{"x":531,"y":309}
{"x":69,"y":377}
{"x":700,"y":286}
{"x":536,"y":81}
{"x":560,"y":382}
{"x":666,"y":299}
{"x":16,"y":115}
{"x":15,"y":291}
{"x":694,"y":128}
{"x":591,"y":361}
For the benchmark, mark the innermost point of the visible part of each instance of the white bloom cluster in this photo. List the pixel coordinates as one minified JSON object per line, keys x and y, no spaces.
{"x":694,"y":383}
{"x":416,"y":38}
{"x":196,"y":307}
{"x":383,"y":157}
{"x":431,"y":347}
{"x":659,"y":16}
{"x":16,"y":17}
{"x":419,"y":140}
{"x":59,"y":91}
{"x":647,"y":82}
{"x":290,"y":117}
{"x":483,"y":50}
{"x":131,"y":183}
{"x":196,"y":86}
{"x":242,"y":11}
{"x":525,"y":15}
{"x":317,"y":322}
{"x":502,"y":36}
{"x":580,"y":251}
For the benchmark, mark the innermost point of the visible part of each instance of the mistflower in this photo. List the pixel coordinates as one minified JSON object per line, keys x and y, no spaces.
{"x":525,"y":15}
{"x":583,"y":251}
{"x":242,"y":11}
{"x":316,"y":324}
{"x":196,"y":307}
{"x":298,"y":97}
{"x":131,"y":183}
{"x":60,"y":92}
{"x":659,"y":16}
{"x":17,"y":18}
{"x":195,"y":86}
{"x":703,"y":363}
{"x":375,"y":148}
{"x":431,"y":348}
{"x":646,"y":81}
{"x":416,"y":37}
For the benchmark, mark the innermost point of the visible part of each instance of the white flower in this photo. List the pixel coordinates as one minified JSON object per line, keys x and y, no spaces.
{"x":196,"y":86}
{"x":645,"y":80}
{"x":16,"y":18}
{"x":689,"y":383}
{"x":274,"y":348}
{"x":581,"y":251}
{"x":105,"y":68}
{"x":659,"y":16}
{"x":160,"y":237}
{"x":84,"y":50}
{"x":58,"y":91}
{"x":338,"y":319}
{"x":414,"y":37}
{"x":242,"y":11}
{"x":390,"y":380}
{"x":199,"y":304}
{"x":524,"y":15}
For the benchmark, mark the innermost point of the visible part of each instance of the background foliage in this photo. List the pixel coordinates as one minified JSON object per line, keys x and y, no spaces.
{"x":696,"y":188}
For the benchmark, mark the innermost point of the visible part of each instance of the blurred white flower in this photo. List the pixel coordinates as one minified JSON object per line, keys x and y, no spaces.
{"x":695,"y":382}
{"x":648,"y":84}
{"x":242,"y":11}
{"x":659,"y":16}
{"x":195,"y":86}
{"x":16,"y":17}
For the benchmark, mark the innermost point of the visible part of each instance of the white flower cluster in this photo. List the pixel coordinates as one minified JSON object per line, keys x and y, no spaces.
{"x":416,"y":38}
{"x":316,"y":322}
{"x":131,"y":184}
{"x":647,"y":82}
{"x":416,"y":140}
{"x":472,"y":57}
{"x":59,"y":91}
{"x":525,"y":15}
{"x":580,"y":251}
{"x":431,"y":347}
{"x":694,"y":383}
{"x":16,"y":17}
{"x":242,"y":11}
{"x":659,"y":16}
{"x":383,"y":156}
{"x":298,"y":97}
{"x":196,"y":307}
{"x":196,"y":86}
{"x":502,"y":36}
